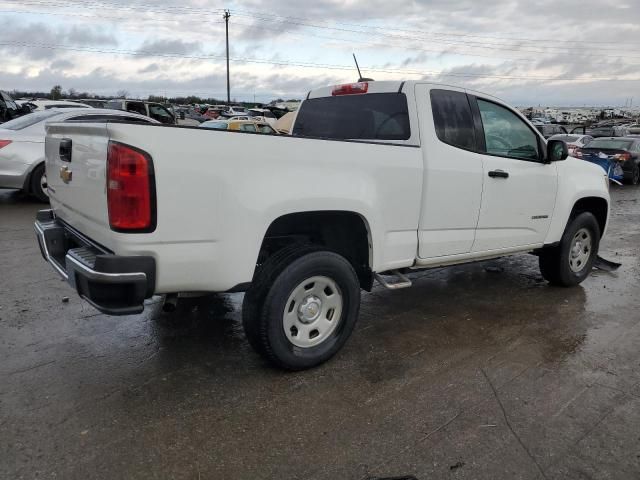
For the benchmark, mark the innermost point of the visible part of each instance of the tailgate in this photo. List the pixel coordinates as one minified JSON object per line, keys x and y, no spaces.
{"x":76,"y":157}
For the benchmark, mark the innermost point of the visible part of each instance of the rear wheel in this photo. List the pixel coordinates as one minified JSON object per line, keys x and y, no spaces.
{"x":38,"y":186}
{"x":570,"y":262}
{"x":302,"y":307}
{"x":633,"y":177}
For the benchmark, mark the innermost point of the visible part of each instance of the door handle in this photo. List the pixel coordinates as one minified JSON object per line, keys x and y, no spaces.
{"x":498,"y":174}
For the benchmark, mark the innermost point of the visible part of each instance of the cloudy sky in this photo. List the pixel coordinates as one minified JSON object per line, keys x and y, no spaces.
{"x":569,"y":52}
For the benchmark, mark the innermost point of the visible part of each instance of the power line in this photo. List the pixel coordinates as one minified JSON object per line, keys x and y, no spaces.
{"x":334,"y":39}
{"x":454,"y":43}
{"x":295,"y":21}
{"x":386,"y":28}
{"x":307,"y":64}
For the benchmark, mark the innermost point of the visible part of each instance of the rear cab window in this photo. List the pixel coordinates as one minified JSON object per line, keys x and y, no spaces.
{"x":453,"y":119}
{"x":371,"y":116}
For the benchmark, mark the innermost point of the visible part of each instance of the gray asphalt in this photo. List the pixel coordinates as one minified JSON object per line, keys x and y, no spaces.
{"x":475,"y":372}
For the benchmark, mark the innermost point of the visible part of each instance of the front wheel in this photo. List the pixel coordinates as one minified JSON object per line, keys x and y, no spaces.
{"x":570,"y":262}
{"x":306,"y":313}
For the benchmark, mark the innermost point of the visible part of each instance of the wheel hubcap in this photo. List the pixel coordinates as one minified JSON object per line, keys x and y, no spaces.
{"x":581,"y":249}
{"x":43,"y":184}
{"x":312,"y":312}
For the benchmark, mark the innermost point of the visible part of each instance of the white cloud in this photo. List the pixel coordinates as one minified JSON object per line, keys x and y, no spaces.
{"x":511,"y":48}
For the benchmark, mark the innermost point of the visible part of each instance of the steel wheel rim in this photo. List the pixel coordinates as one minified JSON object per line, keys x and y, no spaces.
{"x":43,"y":184}
{"x":581,"y":249}
{"x":312,"y":312}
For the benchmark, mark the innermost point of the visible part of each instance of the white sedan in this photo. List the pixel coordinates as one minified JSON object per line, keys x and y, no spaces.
{"x":22,"y":144}
{"x":573,"y":141}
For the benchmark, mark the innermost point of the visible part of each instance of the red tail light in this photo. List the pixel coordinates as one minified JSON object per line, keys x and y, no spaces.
{"x":623,"y":157}
{"x":4,"y":143}
{"x":350,"y":89}
{"x":130,"y":189}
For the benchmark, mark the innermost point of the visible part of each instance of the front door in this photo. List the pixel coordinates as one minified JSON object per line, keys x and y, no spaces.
{"x":519,"y":189}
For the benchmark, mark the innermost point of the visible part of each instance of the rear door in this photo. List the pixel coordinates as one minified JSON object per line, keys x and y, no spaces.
{"x":452,"y":175}
{"x":519,"y":189}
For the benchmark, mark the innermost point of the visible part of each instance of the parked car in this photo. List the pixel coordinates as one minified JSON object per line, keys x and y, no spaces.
{"x":263,"y":115}
{"x":608,"y":131}
{"x":378,"y":179}
{"x":92,"y":102}
{"x":239,"y":125}
{"x":10,"y":109}
{"x":619,"y":157}
{"x":235,"y":110}
{"x":235,"y":117}
{"x":573,"y":141}
{"x":548,"y":130}
{"x":22,"y":144}
{"x":634,"y":129}
{"x":40,"y":105}
{"x":190,"y":116}
{"x":149,"y":109}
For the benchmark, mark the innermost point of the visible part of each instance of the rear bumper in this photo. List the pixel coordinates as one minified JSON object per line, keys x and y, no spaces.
{"x":9,"y":180}
{"x":114,"y":284}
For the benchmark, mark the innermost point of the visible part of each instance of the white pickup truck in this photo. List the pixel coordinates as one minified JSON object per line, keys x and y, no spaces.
{"x":376,"y":180}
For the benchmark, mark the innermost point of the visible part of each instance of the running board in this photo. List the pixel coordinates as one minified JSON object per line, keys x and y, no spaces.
{"x":403,"y":283}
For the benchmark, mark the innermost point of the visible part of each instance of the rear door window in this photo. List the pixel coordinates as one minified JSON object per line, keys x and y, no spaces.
{"x":137,"y":107}
{"x":159,"y":113}
{"x":453,"y":119}
{"x":371,"y":116}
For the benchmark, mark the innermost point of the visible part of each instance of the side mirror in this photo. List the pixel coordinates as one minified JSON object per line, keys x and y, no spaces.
{"x":557,"y":150}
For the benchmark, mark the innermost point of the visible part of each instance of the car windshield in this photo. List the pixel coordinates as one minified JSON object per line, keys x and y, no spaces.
{"x":373,"y":116}
{"x":609,"y":144}
{"x":28,"y":120}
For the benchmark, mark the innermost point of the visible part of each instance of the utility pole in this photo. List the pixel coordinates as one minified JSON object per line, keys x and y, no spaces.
{"x":226,"y":22}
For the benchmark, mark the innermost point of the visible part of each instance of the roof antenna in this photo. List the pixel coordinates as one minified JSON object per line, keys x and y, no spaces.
{"x":361,"y":78}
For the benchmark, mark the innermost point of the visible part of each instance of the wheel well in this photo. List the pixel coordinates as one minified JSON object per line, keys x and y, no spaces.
{"x":345,"y":233}
{"x":595,"y":205}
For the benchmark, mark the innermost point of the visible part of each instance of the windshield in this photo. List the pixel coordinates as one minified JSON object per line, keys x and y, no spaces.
{"x":373,"y":116}
{"x":28,"y":120}
{"x":609,"y":144}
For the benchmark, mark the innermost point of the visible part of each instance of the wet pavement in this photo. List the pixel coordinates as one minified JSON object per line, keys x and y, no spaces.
{"x":475,"y":372}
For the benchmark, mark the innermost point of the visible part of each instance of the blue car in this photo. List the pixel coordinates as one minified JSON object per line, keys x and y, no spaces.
{"x":618,"y":156}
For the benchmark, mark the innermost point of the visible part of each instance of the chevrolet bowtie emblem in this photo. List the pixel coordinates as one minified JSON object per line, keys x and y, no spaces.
{"x":65,"y":174}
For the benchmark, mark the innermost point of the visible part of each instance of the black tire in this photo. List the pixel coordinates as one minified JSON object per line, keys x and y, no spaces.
{"x":555,"y":262}
{"x":265,"y":304}
{"x":35,"y":187}
{"x":633,"y":177}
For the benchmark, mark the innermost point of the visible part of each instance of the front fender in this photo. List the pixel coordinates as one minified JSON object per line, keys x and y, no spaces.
{"x":577,"y":180}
